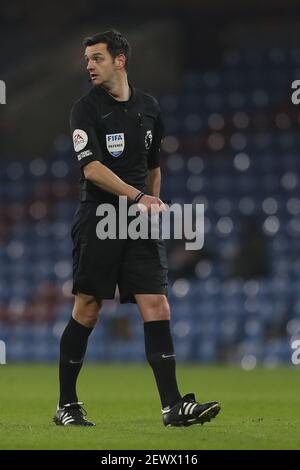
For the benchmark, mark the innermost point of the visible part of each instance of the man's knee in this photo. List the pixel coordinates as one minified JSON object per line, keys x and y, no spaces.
{"x":154,"y":308}
{"x":164,"y":309}
{"x":86,"y":310}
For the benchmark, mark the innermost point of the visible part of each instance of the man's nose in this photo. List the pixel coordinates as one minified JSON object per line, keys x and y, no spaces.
{"x":89,"y":66}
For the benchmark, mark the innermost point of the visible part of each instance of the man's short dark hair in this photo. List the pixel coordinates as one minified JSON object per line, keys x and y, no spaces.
{"x":115,"y":41}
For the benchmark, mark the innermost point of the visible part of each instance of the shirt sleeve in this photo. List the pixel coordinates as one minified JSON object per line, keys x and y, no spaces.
{"x":84,"y":135}
{"x":154,"y":152}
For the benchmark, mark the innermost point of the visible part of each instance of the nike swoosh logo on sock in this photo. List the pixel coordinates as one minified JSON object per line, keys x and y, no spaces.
{"x":164,"y":356}
{"x":75,"y":362}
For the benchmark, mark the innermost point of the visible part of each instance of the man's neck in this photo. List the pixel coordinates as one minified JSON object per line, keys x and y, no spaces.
{"x":119,"y":89}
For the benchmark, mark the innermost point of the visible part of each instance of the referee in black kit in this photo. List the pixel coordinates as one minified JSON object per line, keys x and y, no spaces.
{"x":117,"y":132}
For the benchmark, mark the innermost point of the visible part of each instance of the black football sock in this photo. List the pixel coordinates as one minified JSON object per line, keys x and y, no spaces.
{"x":161,"y":357}
{"x":73,"y":345}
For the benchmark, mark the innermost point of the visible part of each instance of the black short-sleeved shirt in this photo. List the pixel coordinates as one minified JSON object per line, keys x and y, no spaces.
{"x":125,"y":136}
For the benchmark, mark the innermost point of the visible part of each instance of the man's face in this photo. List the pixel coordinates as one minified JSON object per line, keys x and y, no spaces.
{"x":100,"y":64}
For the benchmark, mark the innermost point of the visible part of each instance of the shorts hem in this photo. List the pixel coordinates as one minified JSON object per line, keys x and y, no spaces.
{"x":128,"y":297}
{"x":97,"y":295}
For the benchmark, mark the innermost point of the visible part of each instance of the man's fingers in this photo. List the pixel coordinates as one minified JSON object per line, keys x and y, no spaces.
{"x":142,"y":207}
{"x":156,"y":208}
{"x":162,"y":206}
{"x":153,"y":207}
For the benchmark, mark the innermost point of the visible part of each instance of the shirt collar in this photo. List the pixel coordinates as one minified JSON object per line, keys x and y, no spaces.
{"x":111,"y":100}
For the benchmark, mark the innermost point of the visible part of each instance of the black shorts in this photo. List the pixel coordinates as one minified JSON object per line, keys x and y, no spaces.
{"x":136,"y":266}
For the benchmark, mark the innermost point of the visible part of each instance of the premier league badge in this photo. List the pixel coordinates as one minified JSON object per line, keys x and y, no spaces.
{"x":148,"y":139}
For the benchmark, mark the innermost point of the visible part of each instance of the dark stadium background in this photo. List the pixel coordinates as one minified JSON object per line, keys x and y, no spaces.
{"x":222,"y":72}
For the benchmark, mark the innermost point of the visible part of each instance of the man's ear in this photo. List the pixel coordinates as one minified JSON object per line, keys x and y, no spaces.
{"x":120,"y":60}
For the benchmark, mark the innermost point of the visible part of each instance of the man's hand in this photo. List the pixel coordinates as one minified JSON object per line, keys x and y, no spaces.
{"x":151,"y":204}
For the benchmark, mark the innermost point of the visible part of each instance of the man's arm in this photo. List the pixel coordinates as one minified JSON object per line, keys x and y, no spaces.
{"x":154,"y":173}
{"x":106,"y":179}
{"x":154,"y":181}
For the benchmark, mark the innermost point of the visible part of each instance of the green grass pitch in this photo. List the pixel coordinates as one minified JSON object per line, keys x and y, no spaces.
{"x":260,"y":409}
